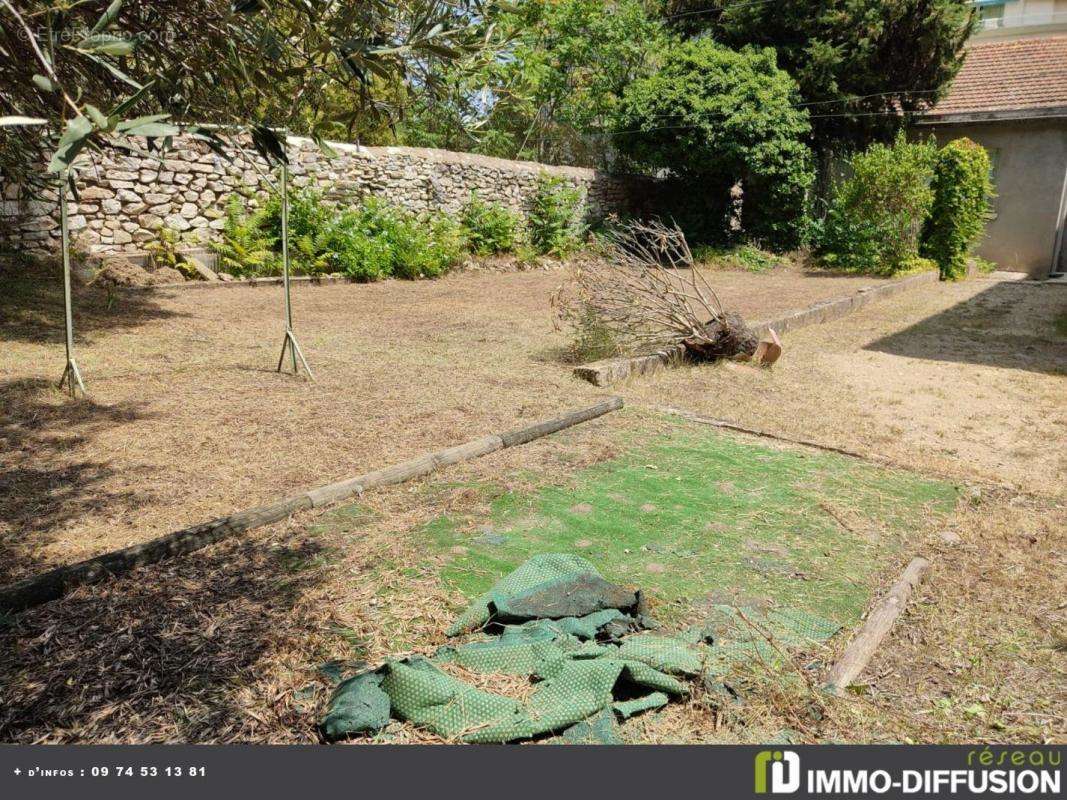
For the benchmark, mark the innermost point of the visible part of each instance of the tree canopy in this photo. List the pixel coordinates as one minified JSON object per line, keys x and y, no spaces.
{"x":551,"y":90}
{"x":859,"y":63}
{"x":717,"y":119}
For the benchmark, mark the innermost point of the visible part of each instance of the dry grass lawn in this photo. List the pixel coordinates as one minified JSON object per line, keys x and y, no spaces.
{"x":189,"y":421}
{"x":963,"y":379}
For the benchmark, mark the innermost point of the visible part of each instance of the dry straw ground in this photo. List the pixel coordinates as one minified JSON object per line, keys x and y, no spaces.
{"x":188,"y":421}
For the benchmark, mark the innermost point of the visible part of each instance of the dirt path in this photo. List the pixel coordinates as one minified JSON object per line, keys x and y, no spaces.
{"x":968,"y":379}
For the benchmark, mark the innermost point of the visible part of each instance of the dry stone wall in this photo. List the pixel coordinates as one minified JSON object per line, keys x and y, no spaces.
{"x":124,"y":200}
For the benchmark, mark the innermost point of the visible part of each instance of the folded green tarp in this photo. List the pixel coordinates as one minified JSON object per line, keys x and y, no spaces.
{"x":548,"y":586}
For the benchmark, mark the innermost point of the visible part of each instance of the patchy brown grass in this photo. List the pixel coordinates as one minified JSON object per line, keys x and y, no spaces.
{"x":980,"y":655}
{"x":962,"y":379}
{"x":224,"y":645}
{"x":188,"y":421}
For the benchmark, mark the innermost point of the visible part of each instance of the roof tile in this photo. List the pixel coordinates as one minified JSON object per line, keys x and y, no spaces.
{"x":1008,"y":76}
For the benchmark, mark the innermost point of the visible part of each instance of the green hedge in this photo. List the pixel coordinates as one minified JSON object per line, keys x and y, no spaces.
{"x":876,"y":215}
{"x":962,"y":189}
{"x":907,"y":207}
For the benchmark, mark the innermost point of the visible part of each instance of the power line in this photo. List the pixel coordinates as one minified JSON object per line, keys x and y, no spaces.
{"x":719,"y":10}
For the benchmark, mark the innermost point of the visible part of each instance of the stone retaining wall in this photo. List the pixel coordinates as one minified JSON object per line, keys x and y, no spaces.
{"x":124,"y":200}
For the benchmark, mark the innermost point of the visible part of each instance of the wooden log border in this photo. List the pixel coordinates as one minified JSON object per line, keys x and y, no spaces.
{"x":879,"y":622}
{"x":613,"y":370}
{"x":55,"y":583}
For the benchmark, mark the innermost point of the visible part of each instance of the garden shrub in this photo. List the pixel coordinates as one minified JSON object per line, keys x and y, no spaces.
{"x":554,"y":221}
{"x":372,"y":241}
{"x":489,"y":227}
{"x":712,"y":119}
{"x":747,"y":257}
{"x":962,"y":188}
{"x":427,"y":247}
{"x":345,"y":247}
{"x":591,"y":339}
{"x":417,"y":247}
{"x":309,"y":214}
{"x":310,"y":220}
{"x":163,"y":250}
{"x":877,"y":214}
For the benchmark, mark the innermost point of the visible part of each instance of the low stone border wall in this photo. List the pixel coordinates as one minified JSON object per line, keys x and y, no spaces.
{"x":124,"y":199}
{"x":613,"y":370}
{"x":234,"y":284}
{"x":54,"y":584}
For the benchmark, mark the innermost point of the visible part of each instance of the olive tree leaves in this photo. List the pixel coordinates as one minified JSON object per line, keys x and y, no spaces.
{"x":132,"y":74}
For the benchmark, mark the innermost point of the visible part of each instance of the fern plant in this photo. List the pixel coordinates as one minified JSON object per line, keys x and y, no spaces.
{"x":489,"y":227}
{"x":244,"y":249}
{"x":163,"y":250}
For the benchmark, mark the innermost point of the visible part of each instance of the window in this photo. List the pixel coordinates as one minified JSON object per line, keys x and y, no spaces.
{"x":990,"y":12}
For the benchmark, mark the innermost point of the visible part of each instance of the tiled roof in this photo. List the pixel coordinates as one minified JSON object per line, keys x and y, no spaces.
{"x":1011,"y":75}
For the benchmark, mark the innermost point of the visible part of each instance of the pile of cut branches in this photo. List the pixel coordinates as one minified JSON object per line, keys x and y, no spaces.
{"x":642,"y":293}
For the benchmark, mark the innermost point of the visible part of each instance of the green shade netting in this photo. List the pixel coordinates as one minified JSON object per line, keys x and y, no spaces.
{"x":551,"y":585}
{"x":578,"y":678}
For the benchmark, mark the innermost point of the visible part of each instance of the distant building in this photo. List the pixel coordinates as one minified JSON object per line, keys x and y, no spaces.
{"x":1011,"y":97}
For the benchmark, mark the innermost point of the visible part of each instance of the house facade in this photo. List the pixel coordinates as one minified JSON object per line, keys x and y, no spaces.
{"x":1010,"y":96}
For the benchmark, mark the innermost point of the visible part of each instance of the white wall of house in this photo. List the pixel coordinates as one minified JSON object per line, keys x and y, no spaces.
{"x":1006,"y":18}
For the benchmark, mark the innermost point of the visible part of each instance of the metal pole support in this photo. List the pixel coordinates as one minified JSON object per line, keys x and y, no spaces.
{"x":72,"y":378}
{"x":289,"y":342}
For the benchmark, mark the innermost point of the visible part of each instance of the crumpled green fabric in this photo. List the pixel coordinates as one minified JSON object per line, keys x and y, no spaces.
{"x":601,"y":728}
{"x":741,"y":635}
{"x":627,"y":708}
{"x":574,"y":685}
{"x":358,"y":705}
{"x":578,"y":677}
{"x":664,"y":653}
{"x":533,"y":590}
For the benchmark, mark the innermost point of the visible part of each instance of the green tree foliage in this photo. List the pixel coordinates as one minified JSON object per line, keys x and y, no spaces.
{"x":715,"y":118}
{"x":97,"y":74}
{"x":555,"y":217}
{"x":858,"y":62}
{"x":961,"y":188}
{"x":551,"y":92}
{"x":877,"y":214}
{"x":489,"y":227}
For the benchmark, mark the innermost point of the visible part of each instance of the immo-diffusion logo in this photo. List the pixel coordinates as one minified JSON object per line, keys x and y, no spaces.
{"x":783,"y":766}
{"x":1011,"y":772}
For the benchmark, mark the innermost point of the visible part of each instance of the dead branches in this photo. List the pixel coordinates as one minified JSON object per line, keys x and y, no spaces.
{"x":642,"y":292}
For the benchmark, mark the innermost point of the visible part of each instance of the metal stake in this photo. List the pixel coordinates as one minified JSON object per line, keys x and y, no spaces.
{"x":289,"y":342}
{"x":72,"y":377}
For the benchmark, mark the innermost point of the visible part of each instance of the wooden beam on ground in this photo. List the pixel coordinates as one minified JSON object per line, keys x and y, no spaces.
{"x":55,"y":583}
{"x":879,"y":621}
{"x":537,"y":430}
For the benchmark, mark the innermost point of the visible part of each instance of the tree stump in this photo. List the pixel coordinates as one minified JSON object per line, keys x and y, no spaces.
{"x":729,"y":337}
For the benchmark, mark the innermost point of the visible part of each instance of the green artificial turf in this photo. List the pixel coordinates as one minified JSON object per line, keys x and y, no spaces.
{"x":702,"y":517}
